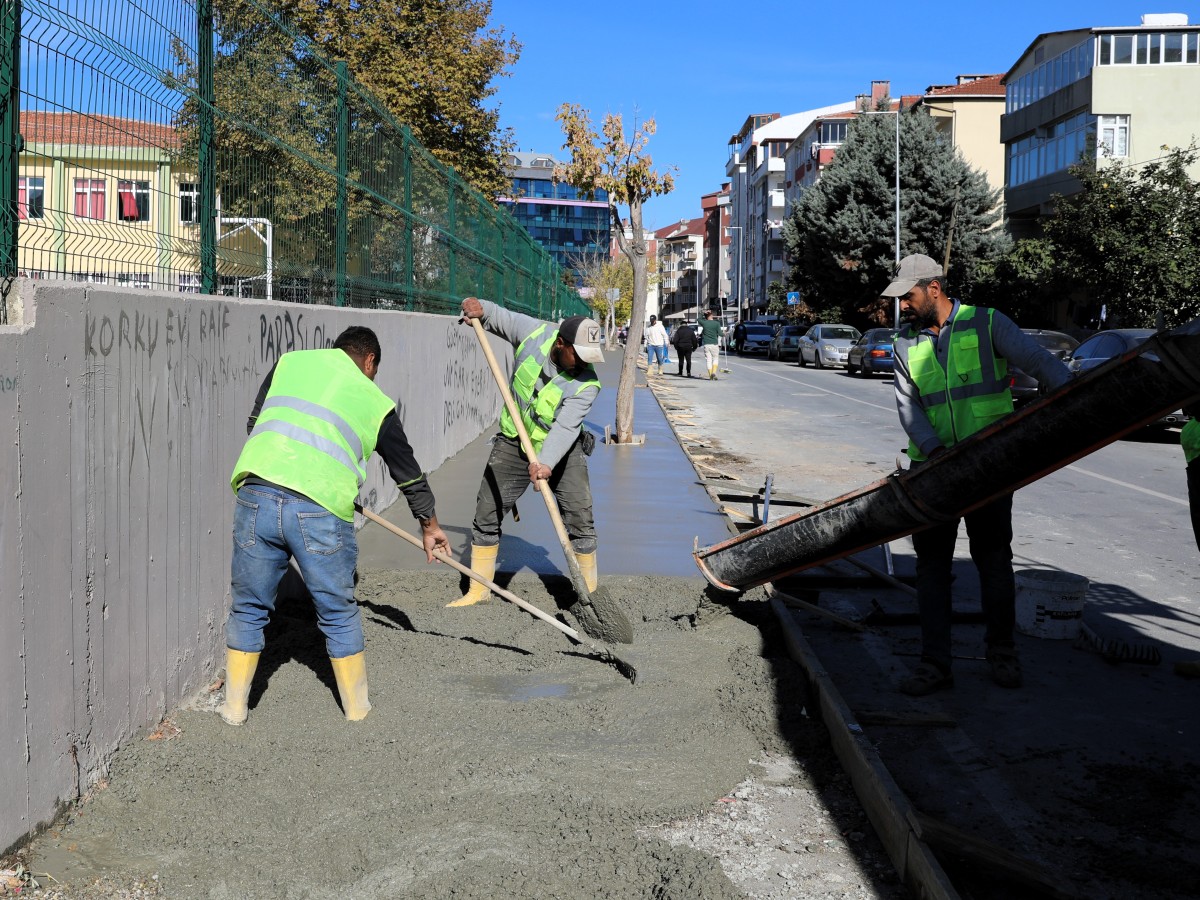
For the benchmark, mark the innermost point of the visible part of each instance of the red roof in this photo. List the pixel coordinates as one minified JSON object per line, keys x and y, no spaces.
{"x":681,"y":229}
{"x":94,"y":130}
{"x":983,"y":86}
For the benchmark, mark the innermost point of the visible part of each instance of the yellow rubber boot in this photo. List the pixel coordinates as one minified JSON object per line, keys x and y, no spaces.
{"x":483,"y":562}
{"x":587,"y":568}
{"x":239,"y":672}
{"x":350,"y":672}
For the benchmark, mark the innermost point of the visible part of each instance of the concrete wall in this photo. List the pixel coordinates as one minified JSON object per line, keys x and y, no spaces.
{"x":125,"y":411}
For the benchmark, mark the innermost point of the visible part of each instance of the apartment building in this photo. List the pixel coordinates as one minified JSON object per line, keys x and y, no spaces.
{"x":1097,"y":94}
{"x":558,"y":217}
{"x":680,"y":268}
{"x":757,"y":205}
{"x":968,"y":113}
{"x":717,"y":287}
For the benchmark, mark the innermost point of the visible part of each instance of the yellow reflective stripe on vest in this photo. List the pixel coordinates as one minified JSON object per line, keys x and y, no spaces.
{"x":326,"y":415}
{"x":326,"y":446}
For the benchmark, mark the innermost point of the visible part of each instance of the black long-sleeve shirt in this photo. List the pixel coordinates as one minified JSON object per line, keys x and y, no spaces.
{"x":393,"y":448}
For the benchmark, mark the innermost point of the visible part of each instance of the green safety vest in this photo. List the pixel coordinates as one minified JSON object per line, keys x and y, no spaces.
{"x":1189,"y":439}
{"x":539,"y":405}
{"x":972,"y":391}
{"x":316,"y":430}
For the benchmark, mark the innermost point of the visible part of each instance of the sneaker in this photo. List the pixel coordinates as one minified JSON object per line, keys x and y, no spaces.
{"x":925,"y":679}
{"x":1006,"y":668}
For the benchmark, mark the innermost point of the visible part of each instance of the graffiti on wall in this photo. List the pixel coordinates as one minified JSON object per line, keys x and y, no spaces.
{"x":282,"y":333}
{"x":469,"y":386}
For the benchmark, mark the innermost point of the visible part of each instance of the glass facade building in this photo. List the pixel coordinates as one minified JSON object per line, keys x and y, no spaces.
{"x":555,"y":215}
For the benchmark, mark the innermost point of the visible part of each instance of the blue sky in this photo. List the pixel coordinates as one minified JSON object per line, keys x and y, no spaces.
{"x":700,"y":68}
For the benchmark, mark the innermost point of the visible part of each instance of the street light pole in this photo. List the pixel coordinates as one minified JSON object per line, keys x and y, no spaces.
{"x":738,"y":229}
{"x":893,"y":112}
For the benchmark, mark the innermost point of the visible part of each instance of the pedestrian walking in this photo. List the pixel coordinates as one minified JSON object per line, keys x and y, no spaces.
{"x":685,"y":342}
{"x":710,"y":340}
{"x":554,"y":385}
{"x":951,"y":381}
{"x":316,"y":421}
{"x":739,"y":337}
{"x":656,"y":346}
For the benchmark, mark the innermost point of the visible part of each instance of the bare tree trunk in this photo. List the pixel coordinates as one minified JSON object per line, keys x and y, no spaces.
{"x":634,"y":249}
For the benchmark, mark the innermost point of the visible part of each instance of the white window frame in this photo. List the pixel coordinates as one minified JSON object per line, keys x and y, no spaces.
{"x":189,"y":283}
{"x":1112,"y":136}
{"x":138,"y":280}
{"x":26,"y":185}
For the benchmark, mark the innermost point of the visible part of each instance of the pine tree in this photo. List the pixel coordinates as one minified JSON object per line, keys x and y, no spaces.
{"x":840,"y":235}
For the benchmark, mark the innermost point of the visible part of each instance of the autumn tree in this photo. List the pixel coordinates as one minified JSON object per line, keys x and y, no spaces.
{"x":599,"y":274}
{"x":612,"y":162}
{"x":432,"y":64}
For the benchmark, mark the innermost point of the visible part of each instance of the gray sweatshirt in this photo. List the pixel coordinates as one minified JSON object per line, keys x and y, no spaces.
{"x":514,"y":327}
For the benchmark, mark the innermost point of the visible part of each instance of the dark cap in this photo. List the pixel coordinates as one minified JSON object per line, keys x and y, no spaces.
{"x":583,"y":334}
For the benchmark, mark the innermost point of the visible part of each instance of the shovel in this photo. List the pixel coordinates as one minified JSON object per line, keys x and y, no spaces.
{"x":598,"y":613}
{"x":607,"y":655}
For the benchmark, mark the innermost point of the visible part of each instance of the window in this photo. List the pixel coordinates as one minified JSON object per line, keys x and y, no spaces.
{"x":1112,"y":136}
{"x":133,"y":201}
{"x":189,"y":203}
{"x":89,"y":198}
{"x":90,"y":277}
{"x":134,"y":279}
{"x":189,"y":283}
{"x":833,"y":132}
{"x":31,"y":198}
{"x":294,"y":290}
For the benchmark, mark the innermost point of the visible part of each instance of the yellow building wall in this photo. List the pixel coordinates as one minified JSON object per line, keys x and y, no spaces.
{"x":1160,"y":102}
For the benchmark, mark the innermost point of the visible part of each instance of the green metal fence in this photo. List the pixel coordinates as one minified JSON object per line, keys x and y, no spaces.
{"x":204,"y":146}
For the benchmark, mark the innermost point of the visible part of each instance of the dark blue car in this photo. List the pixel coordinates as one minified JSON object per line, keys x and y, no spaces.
{"x":872,"y":353}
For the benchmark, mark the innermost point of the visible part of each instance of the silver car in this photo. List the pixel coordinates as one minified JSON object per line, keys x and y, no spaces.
{"x":827,"y":345}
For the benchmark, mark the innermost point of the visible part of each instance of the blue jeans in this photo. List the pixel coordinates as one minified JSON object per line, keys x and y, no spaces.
{"x":269,"y":526}
{"x":653,"y":351}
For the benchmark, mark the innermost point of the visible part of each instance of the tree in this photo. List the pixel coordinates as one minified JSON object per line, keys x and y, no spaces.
{"x":611,"y":162}
{"x":599,"y":274}
{"x":1024,"y":283}
{"x":432,"y":64}
{"x":840,"y":234}
{"x":1131,"y":238}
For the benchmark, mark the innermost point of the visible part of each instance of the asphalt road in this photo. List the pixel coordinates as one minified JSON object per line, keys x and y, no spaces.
{"x":1119,"y":516}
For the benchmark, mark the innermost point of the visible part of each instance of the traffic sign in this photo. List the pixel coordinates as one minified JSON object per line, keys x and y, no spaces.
{"x":793,"y":298}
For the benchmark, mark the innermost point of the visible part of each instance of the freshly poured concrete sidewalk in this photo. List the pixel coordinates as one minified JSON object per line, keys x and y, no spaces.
{"x":648,"y":506}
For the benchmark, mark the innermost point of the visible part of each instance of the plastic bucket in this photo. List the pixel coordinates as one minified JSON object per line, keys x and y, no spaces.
{"x":1050,"y":603}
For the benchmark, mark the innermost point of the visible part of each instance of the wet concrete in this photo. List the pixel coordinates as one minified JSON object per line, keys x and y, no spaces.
{"x":648,"y":506}
{"x":499,"y":759}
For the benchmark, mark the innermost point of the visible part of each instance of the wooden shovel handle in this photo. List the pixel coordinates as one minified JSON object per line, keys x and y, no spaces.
{"x":526,"y":444}
{"x":474,"y":576}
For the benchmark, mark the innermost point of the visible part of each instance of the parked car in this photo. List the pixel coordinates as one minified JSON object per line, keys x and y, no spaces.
{"x":786,"y":343}
{"x":758,"y":338}
{"x":827,"y":345}
{"x":872,"y":352}
{"x":1025,"y":387}
{"x":1103,"y":346}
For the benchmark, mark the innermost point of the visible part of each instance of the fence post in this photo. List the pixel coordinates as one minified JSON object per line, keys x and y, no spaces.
{"x":207,"y":158}
{"x":343,"y":170}
{"x":451,"y":226}
{"x":10,"y":133}
{"x":409,"y":264}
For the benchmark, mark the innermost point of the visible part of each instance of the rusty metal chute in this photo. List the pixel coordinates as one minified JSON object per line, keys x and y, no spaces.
{"x":1090,"y":412}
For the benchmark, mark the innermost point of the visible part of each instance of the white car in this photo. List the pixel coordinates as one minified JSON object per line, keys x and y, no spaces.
{"x":827,"y":345}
